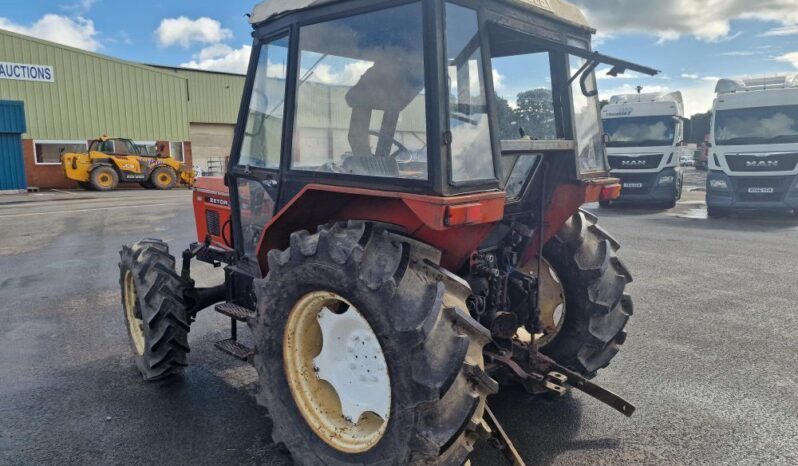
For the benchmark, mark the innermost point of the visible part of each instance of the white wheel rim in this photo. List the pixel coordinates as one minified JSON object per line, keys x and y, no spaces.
{"x":134,"y":323}
{"x":552,"y":304}
{"x":336,"y":372}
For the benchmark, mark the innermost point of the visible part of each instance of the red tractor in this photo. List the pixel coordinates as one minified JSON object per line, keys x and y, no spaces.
{"x":401,"y":240}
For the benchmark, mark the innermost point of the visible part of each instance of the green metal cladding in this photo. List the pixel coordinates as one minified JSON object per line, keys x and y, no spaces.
{"x":94,"y":94}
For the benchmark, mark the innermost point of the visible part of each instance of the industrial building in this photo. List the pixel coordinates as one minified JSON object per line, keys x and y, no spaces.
{"x":56,"y":98}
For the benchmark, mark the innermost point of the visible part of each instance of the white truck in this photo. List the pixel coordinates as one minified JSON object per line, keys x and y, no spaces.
{"x":753,"y":161}
{"x":645,"y":143}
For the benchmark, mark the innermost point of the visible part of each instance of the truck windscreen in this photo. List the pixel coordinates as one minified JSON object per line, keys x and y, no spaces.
{"x":762,"y":125}
{"x":640,"y":131}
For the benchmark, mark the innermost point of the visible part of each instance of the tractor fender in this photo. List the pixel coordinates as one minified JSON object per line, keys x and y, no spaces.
{"x":455,"y":225}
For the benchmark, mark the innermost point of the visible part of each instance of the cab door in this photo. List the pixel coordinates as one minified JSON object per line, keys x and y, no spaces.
{"x":254,"y":172}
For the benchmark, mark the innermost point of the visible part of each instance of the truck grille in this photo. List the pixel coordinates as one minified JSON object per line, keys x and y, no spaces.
{"x":770,"y":163}
{"x":643,"y":162}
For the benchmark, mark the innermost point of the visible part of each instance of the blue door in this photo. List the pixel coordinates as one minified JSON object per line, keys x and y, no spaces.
{"x":12,"y":166}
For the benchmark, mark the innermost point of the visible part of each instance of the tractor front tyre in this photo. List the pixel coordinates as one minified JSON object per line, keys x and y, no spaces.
{"x":163,"y":178}
{"x":104,"y":178}
{"x":366,"y":353}
{"x":596,"y":308}
{"x":154,"y":309}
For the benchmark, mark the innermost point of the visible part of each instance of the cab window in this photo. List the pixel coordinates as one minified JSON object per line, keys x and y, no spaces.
{"x":471,"y":146}
{"x":522,"y":81}
{"x":263,"y":132}
{"x":361,"y":103}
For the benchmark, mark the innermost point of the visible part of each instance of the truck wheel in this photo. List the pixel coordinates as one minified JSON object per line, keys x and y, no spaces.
{"x":596,"y":308}
{"x":104,"y":179}
{"x":366,"y":353}
{"x":716,"y":212}
{"x":154,"y":307}
{"x":163,"y":178}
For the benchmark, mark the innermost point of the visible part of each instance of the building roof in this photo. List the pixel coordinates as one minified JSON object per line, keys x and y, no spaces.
{"x":559,"y":8}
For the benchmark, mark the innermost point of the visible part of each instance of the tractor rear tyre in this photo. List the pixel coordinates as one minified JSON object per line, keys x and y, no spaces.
{"x":596,"y":307}
{"x":104,"y":178}
{"x":163,"y":178}
{"x":155,"y":309}
{"x":366,"y":353}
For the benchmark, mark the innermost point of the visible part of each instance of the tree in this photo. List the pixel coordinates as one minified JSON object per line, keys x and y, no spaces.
{"x":535,"y":113}
{"x":701,"y":126}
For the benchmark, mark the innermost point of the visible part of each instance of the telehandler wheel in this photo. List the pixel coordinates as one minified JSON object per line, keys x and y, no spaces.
{"x":163,"y":178}
{"x":104,"y":178}
{"x":155,"y":310}
{"x":596,"y":307}
{"x":366,"y":353}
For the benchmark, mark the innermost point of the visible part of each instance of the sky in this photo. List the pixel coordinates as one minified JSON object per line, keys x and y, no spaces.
{"x":693,"y":42}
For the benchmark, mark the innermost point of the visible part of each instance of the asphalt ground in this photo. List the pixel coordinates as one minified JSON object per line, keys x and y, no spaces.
{"x":710,"y":361}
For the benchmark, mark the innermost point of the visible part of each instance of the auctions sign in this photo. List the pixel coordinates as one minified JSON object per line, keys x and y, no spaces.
{"x":22,"y":72}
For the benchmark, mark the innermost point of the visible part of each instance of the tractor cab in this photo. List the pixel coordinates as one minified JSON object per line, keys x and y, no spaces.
{"x":436,"y":98}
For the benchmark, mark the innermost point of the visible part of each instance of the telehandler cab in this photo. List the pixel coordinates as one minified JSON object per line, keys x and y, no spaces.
{"x":398,"y":248}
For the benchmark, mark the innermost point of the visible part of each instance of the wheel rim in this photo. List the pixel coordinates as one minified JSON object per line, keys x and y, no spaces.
{"x":336,"y":372}
{"x":164,"y":179}
{"x":135,"y":325}
{"x":104,"y":180}
{"x":551,"y":302}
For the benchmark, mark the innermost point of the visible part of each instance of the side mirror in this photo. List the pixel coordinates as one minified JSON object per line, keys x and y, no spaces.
{"x":605,"y":138}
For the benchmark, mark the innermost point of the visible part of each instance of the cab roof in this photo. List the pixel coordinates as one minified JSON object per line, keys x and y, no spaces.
{"x":558,"y":8}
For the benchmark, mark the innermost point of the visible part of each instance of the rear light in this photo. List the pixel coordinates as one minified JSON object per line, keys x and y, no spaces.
{"x":463,"y":214}
{"x":610,"y":192}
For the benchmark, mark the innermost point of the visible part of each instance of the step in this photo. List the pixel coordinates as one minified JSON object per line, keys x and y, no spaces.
{"x":234,"y":311}
{"x":235,"y":349}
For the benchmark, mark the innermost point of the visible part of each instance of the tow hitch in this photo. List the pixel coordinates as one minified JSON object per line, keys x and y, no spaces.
{"x":541,"y":374}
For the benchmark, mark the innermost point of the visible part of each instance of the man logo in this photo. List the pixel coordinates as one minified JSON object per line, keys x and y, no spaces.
{"x":633,"y":163}
{"x":762,"y":164}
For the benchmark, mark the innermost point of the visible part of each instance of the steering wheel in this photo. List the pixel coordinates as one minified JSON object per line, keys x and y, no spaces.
{"x":401,"y":147}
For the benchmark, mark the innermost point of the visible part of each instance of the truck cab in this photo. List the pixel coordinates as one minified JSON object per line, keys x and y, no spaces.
{"x":753,"y":162}
{"x":645,"y":143}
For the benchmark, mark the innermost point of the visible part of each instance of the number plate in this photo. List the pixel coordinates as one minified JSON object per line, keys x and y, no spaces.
{"x":761,"y":190}
{"x":633,"y":185}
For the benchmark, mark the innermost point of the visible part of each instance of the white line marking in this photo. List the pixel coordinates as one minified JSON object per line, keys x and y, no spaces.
{"x":91,"y":210}
{"x":65,"y":192}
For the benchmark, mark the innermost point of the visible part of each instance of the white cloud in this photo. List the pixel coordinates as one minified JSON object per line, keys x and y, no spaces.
{"x":738,"y":53}
{"x":782,"y":31}
{"x":76,"y":32}
{"x":498,"y":80}
{"x":220,"y":57}
{"x":80,"y":7}
{"x":709,"y":21}
{"x":690,"y":76}
{"x":185,"y":31}
{"x":791,"y":58}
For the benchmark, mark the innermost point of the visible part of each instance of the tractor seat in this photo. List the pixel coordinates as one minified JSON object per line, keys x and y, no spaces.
{"x":371,"y":166}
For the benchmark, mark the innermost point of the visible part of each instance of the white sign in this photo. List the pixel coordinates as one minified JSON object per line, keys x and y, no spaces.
{"x":22,"y":72}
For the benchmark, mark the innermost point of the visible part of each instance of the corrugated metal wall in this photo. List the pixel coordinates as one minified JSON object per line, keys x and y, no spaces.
{"x":12,"y":167}
{"x":94,"y":95}
{"x":212,"y":97}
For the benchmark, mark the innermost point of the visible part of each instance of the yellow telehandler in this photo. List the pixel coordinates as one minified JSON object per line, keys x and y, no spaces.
{"x":110,"y":161}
